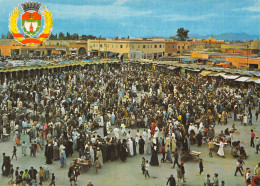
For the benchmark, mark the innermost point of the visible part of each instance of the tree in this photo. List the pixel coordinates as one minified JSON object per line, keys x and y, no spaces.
{"x":85,"y":37}
{"x":75,"y":36}
{"x":68,"y":36}
{"x":3,"y":36}
{"x":10,"y":35}
{"x":182,"y":34}
{"x":52,"y":37}
{"x":61,"y":36}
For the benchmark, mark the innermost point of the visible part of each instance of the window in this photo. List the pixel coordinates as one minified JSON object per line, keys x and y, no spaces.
{"x":173,"y":46}
{"x":133,"y":46}
{"x":179,"y":47}
{"x":100,"y":45}
{"x":160,"y":46}
{"x":148,"y":46}
{"x":169,"y":46}
{"x":163,"y":46}
{"x":112,"y":46}
{"x":151,"y":46}
{"x":144,"y":46}
{"x":188,"y":47}
{"x":182,"y":47}
{"x":116,"y":46}
{"x":93,"y":45}
{"x":155,"y":46}
{"x":138,"y":46}
{"x":121,"y":46}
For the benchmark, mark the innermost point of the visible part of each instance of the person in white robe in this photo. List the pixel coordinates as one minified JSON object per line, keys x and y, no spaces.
{"x":156,"y":134}
{"x":63,"y":111}
{"x":221,"y":149}
{"x":116,"y":132}
{"x":92,"y":155}
{"x":137,"y":136}
{"x":129,"y":135}
{"x":108,"y":125}
{"x":130,"y":147}
{"x":149,"y":133}
{"x":144,"y":135}
{"x":101,"y":124}
{"x":123,"y":129}
{"x":80,"y":120}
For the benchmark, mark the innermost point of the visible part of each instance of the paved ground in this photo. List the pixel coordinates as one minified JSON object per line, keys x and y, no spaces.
{"x":129,"y":173}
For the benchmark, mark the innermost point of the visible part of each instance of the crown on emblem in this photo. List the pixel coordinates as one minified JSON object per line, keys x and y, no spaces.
{"x":31,"y":6}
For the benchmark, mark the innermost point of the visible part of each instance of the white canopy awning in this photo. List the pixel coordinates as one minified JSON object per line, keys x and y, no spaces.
{"x":219,"y":74}
{"x":229,"y":77}
{"x":120,"y":55}
{"x":242,"y":79}
{"x":62,"y":49}
{"x":171,"y":68}
{"x":257,"y":81}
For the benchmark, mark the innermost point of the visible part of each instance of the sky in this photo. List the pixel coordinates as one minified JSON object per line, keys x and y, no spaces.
{"x":146,"y":18}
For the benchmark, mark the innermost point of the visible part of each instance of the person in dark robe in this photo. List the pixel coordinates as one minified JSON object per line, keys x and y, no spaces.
{"x":70,"y":147}
{"x":104,"y":151}
{"x":56,"y":152}
{"x":199,"y":138}
{"x":108,"y":153}
{"x":112,"y":151}
{"x":118,"y":146}
{"x":141,"y":145}
{"x":49,"y":153}
{"x":154,"y":158}
{"x":116,"y":149}
{"x":185,"y":144}
{"x":105,"y":130}
{"x":123,"y":150}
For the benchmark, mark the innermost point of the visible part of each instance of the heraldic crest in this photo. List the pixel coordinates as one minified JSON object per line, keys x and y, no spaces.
{"x":31,"y":22}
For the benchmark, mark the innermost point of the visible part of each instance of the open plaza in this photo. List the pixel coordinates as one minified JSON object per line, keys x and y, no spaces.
{"x":95,"y":122}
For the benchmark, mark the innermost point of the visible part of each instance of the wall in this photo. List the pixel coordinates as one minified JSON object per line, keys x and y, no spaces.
{"x":233,"y":46}
{"x":115,"y":46}
{"x":198,"y":55}
{"x":6,"y":46}
{"x":243,"y":61}
{"x":175,"y":46}
{"x":241,"y":51}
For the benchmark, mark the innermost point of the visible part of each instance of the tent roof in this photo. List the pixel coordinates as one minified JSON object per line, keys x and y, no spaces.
{"x":205,"y":73}
{"x":252,"y":79}
{"x":230,"y":76}
{"x":242,"y":79}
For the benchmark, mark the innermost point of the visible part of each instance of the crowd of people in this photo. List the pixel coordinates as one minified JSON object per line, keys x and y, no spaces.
{"x":61,"y":112}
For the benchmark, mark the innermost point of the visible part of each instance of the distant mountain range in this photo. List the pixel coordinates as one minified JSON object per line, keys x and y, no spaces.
{"x":228,"y":36}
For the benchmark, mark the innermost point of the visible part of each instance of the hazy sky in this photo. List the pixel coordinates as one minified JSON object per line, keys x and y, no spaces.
{"x":147,"y":17}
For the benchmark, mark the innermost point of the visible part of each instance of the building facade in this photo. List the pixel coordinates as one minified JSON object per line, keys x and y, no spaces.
{"x":206,"y":43}
{"x":176,"y":47}
{"x":12,"y":48}
{"x":130,"y":48}
{"x":244,"y":62}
